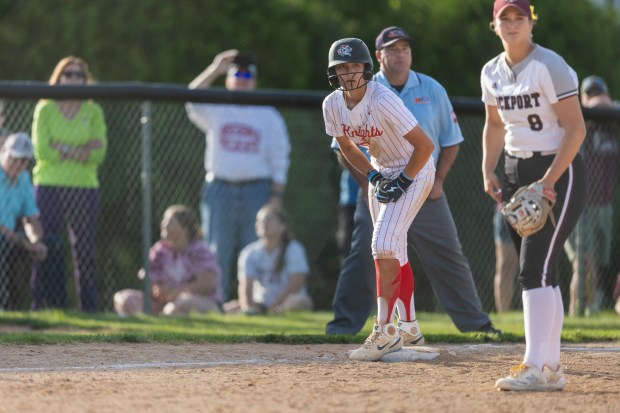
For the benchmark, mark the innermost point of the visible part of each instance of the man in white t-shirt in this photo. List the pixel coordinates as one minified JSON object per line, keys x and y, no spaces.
{"x":246,"y":160}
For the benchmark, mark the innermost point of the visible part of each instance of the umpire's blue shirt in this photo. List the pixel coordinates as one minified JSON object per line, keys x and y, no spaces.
{"x":429,"y":103}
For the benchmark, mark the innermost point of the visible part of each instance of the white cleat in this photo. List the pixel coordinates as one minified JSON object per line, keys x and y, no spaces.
{"x":410,"y":333}
{"x":555,"y":379}
{"x":384,"y":339}
{"x":523,"y":378}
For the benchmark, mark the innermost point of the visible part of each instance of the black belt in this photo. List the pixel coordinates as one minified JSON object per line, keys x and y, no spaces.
{"x":240,"y":183}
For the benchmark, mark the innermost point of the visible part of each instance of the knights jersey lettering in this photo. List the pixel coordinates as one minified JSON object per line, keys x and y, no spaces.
{"x":378,"y":123}
{"x":524,"y":95}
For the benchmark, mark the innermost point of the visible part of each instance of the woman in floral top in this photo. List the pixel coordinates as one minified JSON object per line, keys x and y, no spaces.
{"x":184,"y":272}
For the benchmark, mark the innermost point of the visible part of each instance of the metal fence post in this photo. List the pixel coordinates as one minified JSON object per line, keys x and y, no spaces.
{"x":581,"y":268}
{"x":146,"y":121}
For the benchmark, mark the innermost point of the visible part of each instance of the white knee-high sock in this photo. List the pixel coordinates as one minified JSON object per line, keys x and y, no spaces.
{"x":553,"y":350}
{"x":538,"y":316}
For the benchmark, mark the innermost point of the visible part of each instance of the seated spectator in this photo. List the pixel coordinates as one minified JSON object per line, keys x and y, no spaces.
{"x":184,"y":272}
{"x":272,"y":271}
{"x":17,"y":201}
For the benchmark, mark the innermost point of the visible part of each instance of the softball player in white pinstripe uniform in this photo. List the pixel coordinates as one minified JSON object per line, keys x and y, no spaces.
{"x":533,"y":114}
{"x":401,"y":171}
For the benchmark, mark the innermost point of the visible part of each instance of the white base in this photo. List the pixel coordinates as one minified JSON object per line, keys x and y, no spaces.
{"x":411,"y":354}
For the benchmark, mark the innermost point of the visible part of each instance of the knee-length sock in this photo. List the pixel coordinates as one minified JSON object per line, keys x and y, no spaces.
{"x":539,"y":315}
{"x":388,"y":288}
{"x":405,"y":302}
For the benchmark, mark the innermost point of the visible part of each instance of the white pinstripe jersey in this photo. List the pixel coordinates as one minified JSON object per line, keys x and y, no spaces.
{"x":379,"y":122}
{"x":524,"y":94}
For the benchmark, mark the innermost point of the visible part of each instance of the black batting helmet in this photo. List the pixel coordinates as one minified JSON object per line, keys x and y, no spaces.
{"x":349,"y":50}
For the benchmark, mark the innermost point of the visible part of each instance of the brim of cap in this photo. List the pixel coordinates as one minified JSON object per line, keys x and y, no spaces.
{"x":20,"y":155}
{"x":250,"y":67}
{"x":501,"y":10}
{"x":592,"y":89}
{"x":391,"y":42}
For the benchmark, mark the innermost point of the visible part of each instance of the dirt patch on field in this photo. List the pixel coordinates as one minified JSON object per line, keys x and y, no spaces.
{"x":290,"y":378}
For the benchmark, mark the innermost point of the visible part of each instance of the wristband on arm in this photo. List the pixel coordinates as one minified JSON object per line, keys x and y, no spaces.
{"x":404,"y":181}
{"x":374,"y":176}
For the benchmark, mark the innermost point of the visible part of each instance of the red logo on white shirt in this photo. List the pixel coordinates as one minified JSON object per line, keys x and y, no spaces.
{"x":238,"y":137}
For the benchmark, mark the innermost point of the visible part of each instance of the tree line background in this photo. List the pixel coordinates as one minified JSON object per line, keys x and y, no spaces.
{"x":172,"y":41}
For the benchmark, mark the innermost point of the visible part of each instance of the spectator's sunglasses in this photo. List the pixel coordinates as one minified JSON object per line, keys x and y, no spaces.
{"x":243,"y":74}
{"x":78,"y":74}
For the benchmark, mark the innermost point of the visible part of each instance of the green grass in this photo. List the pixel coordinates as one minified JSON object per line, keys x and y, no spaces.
{"x":52,"y":327}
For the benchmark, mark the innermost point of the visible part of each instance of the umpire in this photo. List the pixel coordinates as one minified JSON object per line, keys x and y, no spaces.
{"x":433,"y":233}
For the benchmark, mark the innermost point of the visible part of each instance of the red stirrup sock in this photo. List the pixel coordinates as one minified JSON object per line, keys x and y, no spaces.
{"x":387,"y":294}
{"x":405,"y":303}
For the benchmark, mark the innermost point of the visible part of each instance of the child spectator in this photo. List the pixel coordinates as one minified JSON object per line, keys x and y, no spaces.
{"x":272,"y":270}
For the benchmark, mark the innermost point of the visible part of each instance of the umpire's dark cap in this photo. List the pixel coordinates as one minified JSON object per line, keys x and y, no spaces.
{"x":593,"y":83}
{"x":391,"y":35}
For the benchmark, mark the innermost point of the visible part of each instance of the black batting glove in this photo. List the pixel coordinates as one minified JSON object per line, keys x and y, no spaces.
{"x":390,"y":191}
{"x":374,"y":177}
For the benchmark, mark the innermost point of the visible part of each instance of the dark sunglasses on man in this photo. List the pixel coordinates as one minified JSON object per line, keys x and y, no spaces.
{"x":243,"y":74}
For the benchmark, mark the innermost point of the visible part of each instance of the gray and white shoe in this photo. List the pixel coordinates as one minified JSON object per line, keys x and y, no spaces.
{"x":554,"y":378}
{"x":523,"y":378}
{"x":384,"y":339}
{"x":410,"y":333}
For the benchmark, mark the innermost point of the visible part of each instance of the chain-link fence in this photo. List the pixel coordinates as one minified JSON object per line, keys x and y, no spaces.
{"x":155,"y":151}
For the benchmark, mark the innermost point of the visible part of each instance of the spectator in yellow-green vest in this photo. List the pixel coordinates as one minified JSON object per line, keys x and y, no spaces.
{"x":70,"y":143}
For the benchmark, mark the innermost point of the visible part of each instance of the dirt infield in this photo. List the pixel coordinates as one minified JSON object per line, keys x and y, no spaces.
{"x":286,"y":378}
